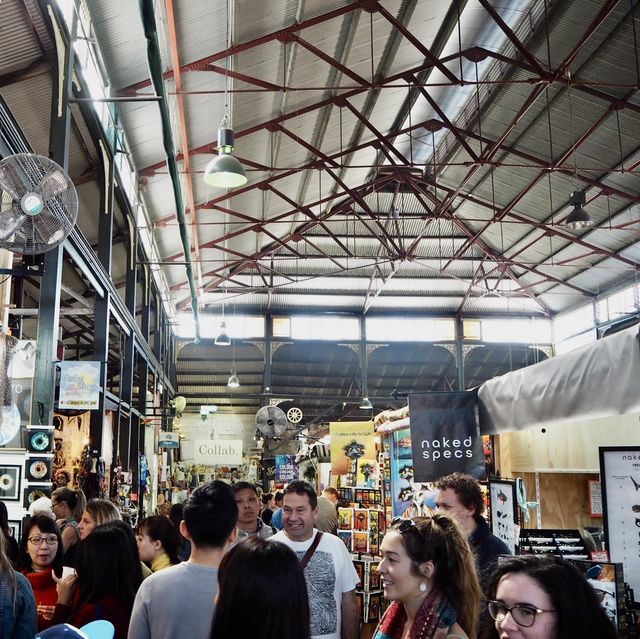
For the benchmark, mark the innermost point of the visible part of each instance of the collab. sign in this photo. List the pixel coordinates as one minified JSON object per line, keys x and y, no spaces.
{"x":218,"y":452}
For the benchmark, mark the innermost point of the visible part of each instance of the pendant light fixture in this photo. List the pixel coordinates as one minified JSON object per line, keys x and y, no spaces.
{"x":365,"y":404}
{"x":225,"y":171}
{"x":222,"y":338}
{"x":233,"y":381}
{"x":578,"y":218}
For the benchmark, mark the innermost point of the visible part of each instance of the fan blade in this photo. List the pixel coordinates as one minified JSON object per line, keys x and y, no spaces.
{"x":10,"y":183}
{"x":10,"y":221}
{"x":53,"y":183}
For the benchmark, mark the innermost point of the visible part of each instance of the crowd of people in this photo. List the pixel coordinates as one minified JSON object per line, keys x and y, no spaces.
{"x":214,"y":568}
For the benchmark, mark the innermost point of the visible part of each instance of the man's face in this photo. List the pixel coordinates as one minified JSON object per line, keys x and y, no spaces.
{"x":248,"y":506}
{"x":298,"y":517}
{"x":447,"y":501}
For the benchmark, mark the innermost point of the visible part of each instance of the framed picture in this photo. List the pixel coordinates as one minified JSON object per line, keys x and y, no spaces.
{"x":502,"y":497}
{"x":10,"y":479}
{"x":620,"y":483}
{"x":15,"y":527}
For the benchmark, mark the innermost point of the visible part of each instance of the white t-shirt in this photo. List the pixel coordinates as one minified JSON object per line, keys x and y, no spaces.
{"x":329,"y":573}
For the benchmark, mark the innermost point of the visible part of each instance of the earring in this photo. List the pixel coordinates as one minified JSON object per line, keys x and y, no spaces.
{"x":423,"y":587}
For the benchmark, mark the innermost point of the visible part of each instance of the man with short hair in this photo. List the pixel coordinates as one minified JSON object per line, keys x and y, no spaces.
{"x":179,"y":601}
{"x":249,"y":523}
{"x":460,"y":496}
{"x":267,"y":508}
{"x":276,"y":519}
{"x":329,"y":572}
{"x":327,"y":514}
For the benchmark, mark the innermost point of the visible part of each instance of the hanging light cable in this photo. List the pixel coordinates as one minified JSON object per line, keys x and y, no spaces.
{"x":578,"y":218}
{"x":225,"y":171}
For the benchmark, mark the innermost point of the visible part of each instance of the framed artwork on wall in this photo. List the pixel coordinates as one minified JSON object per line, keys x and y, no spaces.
{"x":620,"y":483}
{"x":502,"y":497}
{"x":10,"y":479}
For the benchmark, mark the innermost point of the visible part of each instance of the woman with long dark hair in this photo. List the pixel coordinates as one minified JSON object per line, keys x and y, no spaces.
{"x":108,"y":575}
{"x":40,"y":556}
{"x":17,"y":605}
{"x":262,"y":593}
{"x":429,"y":574}
{"x":158,"y":542}
{"x":542,"y":597}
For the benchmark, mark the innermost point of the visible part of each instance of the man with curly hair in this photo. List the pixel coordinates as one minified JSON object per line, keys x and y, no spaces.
{"x":460,"y":496}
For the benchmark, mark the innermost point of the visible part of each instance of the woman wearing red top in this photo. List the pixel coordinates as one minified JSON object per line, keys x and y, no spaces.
{"x":108,"y":575}
{"x":41,"y":552}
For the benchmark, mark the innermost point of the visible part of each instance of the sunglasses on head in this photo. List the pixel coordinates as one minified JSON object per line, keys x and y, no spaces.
{"x":402,"y":525}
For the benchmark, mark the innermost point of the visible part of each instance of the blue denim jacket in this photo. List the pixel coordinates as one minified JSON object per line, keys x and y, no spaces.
{"x":17,"y":621}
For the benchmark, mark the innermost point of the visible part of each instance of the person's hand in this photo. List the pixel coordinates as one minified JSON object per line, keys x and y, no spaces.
{"x":65,"y":587}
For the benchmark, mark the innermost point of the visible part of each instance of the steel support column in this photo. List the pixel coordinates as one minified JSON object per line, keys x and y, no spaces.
{"x":49,"y":304}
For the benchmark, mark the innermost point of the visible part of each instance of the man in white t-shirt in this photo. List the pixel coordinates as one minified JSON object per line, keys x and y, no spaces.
{"x":330,"y":575}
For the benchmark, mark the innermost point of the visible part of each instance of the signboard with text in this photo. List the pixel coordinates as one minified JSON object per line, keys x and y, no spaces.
{"x":218,"y":452}
{"x":445,"y":435}
{"x":620,"y":481}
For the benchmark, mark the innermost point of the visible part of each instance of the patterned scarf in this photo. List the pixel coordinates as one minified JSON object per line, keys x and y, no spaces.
{"x":433,"y":620}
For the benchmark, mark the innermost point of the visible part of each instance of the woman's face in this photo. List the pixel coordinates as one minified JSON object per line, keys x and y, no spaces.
{"x":60,"y":508}
{"x":518,"y":588}
{"x":399,"y":583}
{"x":42,"y":548}
{"x":86,"y":525}
{"x":148,"y":549}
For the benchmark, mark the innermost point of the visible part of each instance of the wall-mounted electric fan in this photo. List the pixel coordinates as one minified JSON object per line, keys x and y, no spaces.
{"x":271,"y":421}
{"x":38,"y":204}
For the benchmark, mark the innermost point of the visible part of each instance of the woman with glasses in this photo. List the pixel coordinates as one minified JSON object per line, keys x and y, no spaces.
{"x":41,"y":554}
{"x":540,"y":597}
{"x":429,"y":574}
{"x":17,"y":605}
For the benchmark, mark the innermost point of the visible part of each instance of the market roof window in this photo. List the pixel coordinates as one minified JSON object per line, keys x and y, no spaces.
{"x":409,"y":329}
{"x":516,"y":331}
{"x":324,"y":327}
{"x":573,"y":323}
{"x":238,"y":326}
{"x":615,"y":306}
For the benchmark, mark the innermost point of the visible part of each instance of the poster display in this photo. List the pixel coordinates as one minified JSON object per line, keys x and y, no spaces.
{"x":408,"y":498}
{"x":502,"y":497}
{"x":445,"y":435}
{"x":79,"y":385}
{"x":286,"y":468}
{"x":620,"y":480}
{"x":350,"y":441}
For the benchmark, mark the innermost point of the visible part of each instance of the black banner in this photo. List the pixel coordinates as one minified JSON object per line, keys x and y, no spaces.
{"x":445,"y":435}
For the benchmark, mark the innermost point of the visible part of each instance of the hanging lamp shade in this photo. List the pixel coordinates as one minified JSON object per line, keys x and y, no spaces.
{"x":365,"y":404}
{"x":222,"y":338}
{"x":578,"y":218}
{"x":225,"y":171}
{"x":233,"y":381}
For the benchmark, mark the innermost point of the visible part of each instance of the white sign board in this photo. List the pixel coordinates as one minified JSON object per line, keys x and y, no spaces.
{"x":620,"y":478}
{"x":218,"y":452}
{"x":169,"y":440}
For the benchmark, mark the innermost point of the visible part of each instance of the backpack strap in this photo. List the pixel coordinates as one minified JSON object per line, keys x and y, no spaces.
{"x":312,"y":548}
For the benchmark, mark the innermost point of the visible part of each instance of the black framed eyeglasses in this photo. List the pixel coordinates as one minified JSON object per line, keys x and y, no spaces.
{"x":402,"y":524}
{"x":523,"y":614}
